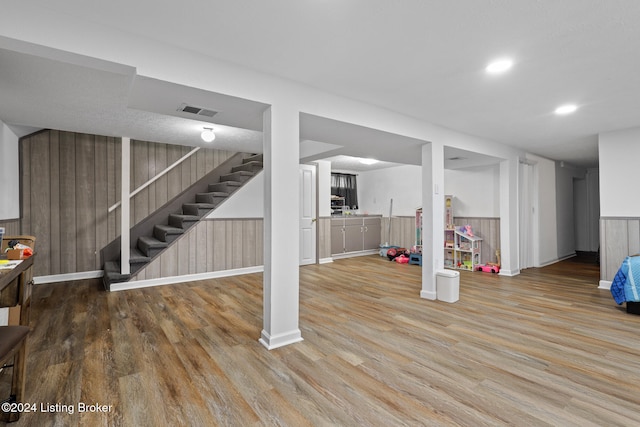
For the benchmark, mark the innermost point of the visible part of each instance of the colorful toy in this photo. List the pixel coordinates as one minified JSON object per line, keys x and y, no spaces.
{"x":488,"y":268}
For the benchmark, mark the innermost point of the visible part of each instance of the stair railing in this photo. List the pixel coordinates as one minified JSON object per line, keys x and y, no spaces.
{"x":155,"y":178}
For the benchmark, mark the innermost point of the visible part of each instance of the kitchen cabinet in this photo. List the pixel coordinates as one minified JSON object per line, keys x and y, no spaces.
{"x":355,"y":234}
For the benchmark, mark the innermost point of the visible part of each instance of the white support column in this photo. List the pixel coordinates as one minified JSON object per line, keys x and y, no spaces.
{"x":281,"y":227}
{"x":509,"y":237}
{"x":432,"y":216}
{"x":125,"y":186}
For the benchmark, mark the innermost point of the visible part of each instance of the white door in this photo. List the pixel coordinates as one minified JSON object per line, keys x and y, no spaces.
{"x":307,"y":214}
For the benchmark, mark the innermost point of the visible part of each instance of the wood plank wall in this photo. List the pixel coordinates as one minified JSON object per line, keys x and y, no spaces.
{"x":208,"y":246}
{"x":69,"y":181}
{"x":489,"y":230}
{"x":619,"y":238}
{"x":11,"y":226}
{"x":324,"y":238}
{"x":403,"y":233}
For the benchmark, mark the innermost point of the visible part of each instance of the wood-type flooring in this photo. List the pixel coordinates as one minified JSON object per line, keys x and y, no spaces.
{"x":544,"y":348}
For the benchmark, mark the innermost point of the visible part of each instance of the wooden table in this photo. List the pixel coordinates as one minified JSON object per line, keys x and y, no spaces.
{"x":15,"y":289}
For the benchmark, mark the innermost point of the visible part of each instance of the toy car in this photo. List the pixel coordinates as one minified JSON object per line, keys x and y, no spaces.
{"x":488,"y":268}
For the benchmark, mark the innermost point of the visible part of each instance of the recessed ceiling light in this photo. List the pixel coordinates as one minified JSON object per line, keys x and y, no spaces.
{"x":368,"y":161}
{"x":566,"y":109}
{"x":499,"y":66}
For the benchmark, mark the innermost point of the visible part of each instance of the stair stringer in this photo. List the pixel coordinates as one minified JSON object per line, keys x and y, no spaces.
{"x":111,"y":252}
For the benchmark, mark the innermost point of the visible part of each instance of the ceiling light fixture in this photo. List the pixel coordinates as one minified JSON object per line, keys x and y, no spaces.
{"x":566,"y":109}
{"x":368,"y":161}
{"x":207,"y":135}
{"x":499,"y":66}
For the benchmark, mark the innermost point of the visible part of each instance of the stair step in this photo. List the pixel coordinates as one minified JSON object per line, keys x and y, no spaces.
{"x":183,"y":221}
{"x":254,"y":158}
{"x":240,"y":176}
{"x":150,"y":246}
{"x":166,"y":233}
{"x":137,"y":257}
{"x":198,"y":209}
{"x":252,"y":166}
{"x":112,"y":274}
{"x":214,"y":198}
{"x":225,"y":187}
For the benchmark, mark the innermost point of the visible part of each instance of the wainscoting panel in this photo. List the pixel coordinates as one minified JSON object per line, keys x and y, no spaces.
{"x":324,"y":238}
{"x":11,"y":226}
{"x":210,"y":245}
{"x":70,"y":180}
{"x":489,"y":230}
{"x":403,"y":231}
{"x":619,"y":238}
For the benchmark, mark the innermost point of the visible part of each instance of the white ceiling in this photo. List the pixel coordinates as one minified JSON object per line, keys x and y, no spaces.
{"x":421,"y":58}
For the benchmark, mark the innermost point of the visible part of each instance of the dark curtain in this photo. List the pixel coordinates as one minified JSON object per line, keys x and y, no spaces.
{"x":344,"y":185}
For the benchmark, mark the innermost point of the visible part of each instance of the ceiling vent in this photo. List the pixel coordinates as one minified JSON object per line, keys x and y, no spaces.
{"x":198,"y":111}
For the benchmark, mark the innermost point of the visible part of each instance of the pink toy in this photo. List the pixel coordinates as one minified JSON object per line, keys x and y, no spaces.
{"x":488,"y":268}
{"x":466,"y":229}
{"x":401,"y":259}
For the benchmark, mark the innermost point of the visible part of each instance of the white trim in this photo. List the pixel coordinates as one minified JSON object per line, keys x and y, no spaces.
{"x":325,"y":260}
{"x":509,"y":273}
{"x":427,"y":295}
{"x":280,"y":340}
{"x":68,"y":277}
{"x":605,"y":284}
{"x":353,"y":254}
{"x":138,"y":284}
{"x":547,"y":263}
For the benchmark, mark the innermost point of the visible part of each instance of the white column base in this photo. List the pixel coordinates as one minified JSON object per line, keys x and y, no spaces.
{"x":428,"y":295}
{"x":605,"y":284}
{"x":280,"y":340}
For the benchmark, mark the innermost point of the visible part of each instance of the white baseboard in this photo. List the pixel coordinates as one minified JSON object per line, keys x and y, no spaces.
{"x":275,"y":341}
{"x":138,"y":284}
{"x":325,"y":260}
{"x":605,"y":284}
{"x":509,"y":273}
{"x":428,"y":295}
{"x":69,"y":277}
{"x":354,"y":254}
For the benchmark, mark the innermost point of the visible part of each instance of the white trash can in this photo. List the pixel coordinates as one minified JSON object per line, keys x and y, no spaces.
{"x":448,"y":285}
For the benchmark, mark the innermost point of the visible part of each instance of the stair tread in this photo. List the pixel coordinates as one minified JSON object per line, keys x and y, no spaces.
{"x":230,"y":183}
{"x":245,"y":173}
{"x":216,"y":193}
{"x":135,"y":256}
{"x":202,"y":206}
{"x":185,"y":217}
{"x":152,"y":242}
{"x":169,"y":229}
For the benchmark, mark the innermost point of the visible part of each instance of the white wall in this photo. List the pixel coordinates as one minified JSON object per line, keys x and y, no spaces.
{"x":324,"y":188}
{"x":9,"y":174}
{"x":403,"y":184}
{"x":475,"y":191}
{"x":619,"y":163}
{"x":246,"y":202}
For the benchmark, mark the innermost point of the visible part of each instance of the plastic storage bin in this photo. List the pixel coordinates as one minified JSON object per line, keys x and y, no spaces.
{"x":448,"y":285}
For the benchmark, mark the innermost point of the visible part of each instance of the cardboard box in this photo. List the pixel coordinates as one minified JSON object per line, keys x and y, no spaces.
{"x":14,"y":253}
{"x":10,"y":316}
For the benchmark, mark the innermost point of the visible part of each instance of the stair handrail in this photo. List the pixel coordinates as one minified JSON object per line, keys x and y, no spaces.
{"x":158,"y":176}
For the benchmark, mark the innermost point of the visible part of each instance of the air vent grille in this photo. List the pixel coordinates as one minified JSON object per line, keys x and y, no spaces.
{"x":198,"y":111}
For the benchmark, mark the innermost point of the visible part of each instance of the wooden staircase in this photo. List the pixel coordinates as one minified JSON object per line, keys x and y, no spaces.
{"x":162,"y":228}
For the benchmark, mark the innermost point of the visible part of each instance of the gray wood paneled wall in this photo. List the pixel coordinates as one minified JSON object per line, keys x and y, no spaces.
{"x":324,"y":238}
{"x":11,"y":226}
{"x":619,"y":238}
{"x":208,"y":246}
{"x":403,"y":233}
{"x":489,"y":230}
{"x":69,"y":181}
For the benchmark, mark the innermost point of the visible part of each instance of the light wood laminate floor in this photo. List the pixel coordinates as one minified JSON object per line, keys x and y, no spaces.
{"x":543,"y":348}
